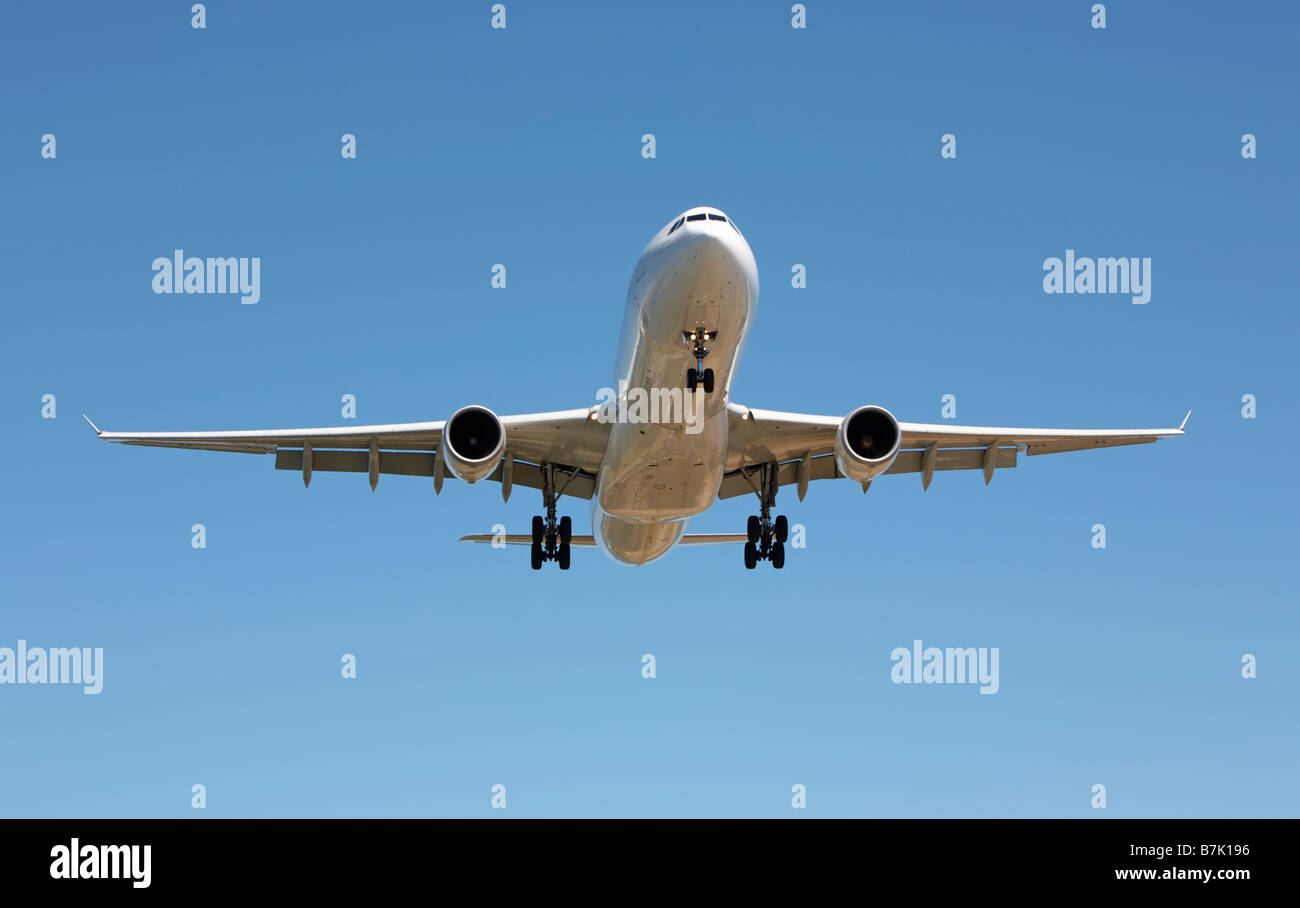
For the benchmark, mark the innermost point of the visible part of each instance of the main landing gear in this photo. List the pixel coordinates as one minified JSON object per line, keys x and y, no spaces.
{"x":699,"y":341}
{"x":767,"y":537}
{"x":550,"y":536}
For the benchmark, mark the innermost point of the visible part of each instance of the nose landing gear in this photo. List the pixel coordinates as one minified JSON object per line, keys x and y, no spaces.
{"x":700,"y":341}
{"x":695,"y":378}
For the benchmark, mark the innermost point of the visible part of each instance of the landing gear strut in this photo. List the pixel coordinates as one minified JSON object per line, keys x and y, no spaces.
{"x":550,"y":536}
{"x":766,"y":537}
{"x":699,"y":340}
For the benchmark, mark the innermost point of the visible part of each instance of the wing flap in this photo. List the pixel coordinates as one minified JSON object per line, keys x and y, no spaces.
{"x":401,"y":463}
{"x":823,"y":467}
{"x":206,"y":446}
{"x":1060,"y":447}
{"x":408,"y":463}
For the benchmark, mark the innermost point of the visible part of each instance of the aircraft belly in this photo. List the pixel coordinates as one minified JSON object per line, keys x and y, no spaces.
{"x":635,"y":543}
{"x":654,"y":473}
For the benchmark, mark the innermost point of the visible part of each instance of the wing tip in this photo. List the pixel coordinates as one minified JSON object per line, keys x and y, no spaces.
{"x":1184,"y":422}
{"x":98,"y":433}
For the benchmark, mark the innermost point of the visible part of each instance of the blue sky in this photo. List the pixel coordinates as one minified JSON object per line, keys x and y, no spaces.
{"x":478,"y":146}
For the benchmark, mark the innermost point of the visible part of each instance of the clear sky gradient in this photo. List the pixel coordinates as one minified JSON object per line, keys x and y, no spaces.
{"x":522,"y":146}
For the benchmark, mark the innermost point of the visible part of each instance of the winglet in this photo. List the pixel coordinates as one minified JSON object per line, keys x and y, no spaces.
{"x":1184,"y":422}
{"x":92,"y":425}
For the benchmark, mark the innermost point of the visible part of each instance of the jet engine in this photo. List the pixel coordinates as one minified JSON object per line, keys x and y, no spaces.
{"x":867,"y":443}
{"x":473,"y":442}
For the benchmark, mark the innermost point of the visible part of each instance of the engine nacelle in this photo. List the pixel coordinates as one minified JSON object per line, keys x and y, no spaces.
{"x":867,"y":443}
{"x":473,"y":442}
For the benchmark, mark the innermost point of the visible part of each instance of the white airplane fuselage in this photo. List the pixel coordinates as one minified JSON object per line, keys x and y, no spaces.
{"x":656,"y":475}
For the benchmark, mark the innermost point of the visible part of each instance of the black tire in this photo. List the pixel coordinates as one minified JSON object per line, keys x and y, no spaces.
{"x":538,"y":528}
{"x":751,"y":556}
{"x":708,"y":381}
{"x":692,"y":379}
{"x":566,"y":529}
{"x":778,"y":555}
{"x":537,"y":556}
{"x":752,"y":529}
{"x":564,"y":556}
{"x":782,"y":528}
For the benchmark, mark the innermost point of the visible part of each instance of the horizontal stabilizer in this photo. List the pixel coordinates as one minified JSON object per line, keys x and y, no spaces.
{"x":581,"y":542}
{"x":589,"y":542}
{"x":712,"y":538}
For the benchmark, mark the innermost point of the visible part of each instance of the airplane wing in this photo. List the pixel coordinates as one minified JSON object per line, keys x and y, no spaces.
{"x":570,"y":439}
{"x":802,"y":446}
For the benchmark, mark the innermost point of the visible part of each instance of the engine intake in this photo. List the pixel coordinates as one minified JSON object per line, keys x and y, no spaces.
{"x":867,"y":443}
{"x":473,"y":442}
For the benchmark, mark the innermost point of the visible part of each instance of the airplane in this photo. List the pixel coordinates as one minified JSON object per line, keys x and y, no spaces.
{"x":691,"y":301}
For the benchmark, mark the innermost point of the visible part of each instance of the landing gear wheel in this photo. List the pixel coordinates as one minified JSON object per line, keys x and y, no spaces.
{"x":552,"y":534}
{"x":692,"y":379}
{"x":766,"y":537}
{"x":777,"y":555}
{"x":708,"y":381}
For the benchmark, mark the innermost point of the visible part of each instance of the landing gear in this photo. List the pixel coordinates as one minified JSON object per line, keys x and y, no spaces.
{"x":695,"y":379}
{"x":551,"y":537}
{"x":766,"y":537}
{"x":699,"y":340}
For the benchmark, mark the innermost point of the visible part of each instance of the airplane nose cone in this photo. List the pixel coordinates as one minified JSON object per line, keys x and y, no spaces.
{"x":706,"y":241}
